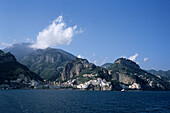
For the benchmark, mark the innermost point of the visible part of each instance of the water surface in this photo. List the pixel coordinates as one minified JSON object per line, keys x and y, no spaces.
{"x":75,"y":101}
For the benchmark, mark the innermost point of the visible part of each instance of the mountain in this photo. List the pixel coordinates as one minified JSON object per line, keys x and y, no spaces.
{"x":129,"y":73}
{"x":160,"y":73}
{"x":106,"y":65}
{"x":19,"y":50}
{"x":80,"y":67}
{"x":81,"y":74}
{"x":13,"y":74}
{"x":163,"y":74}
{"x":47,"y":63}
{"x":58,"y":65}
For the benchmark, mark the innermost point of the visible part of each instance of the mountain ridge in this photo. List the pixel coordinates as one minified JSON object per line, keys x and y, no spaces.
{"x":128,"y":72}
{"x":48,"y":63}
{"x":106,"y":65}
{"x":56,"y":65}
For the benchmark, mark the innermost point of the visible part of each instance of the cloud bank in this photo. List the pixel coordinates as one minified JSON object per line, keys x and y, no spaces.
{"x":6,"y":44}
{"x":80,"y":56}
{"x":56,"y":33}
{"x":133,"y":58}
{"x":145,"y":59}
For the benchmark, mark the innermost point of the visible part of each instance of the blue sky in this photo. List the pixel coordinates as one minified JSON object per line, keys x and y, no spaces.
{"x":111,"y":29}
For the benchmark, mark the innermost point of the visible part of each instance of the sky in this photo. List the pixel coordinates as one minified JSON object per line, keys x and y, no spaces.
{"x":100,"y":31}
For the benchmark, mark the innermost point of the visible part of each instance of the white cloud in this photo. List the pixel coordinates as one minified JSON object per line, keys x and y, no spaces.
{"x":14,"y":40}
{"x":93,"y":54}
{"x":80,"y":56}
{"x":153,"y":68}
{"x":28,"y":39}
{"x":56,"y":33}
{"x":137,"y":63}
{"x":95,"y":62}
{"x":133,"y":58}
{"x":6,"y":44}
{"x":123,"y":56}
{"x":145,"y":59}
{"x":79,"y":31}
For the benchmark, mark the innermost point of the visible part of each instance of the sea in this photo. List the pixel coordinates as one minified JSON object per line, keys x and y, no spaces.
{"x":77,"y":101}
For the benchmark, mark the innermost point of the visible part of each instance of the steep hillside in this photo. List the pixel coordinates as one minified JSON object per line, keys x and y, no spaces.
{"x":128,"y":72}
{"x":14,"y":74}
{"x":82,"y":70}
{"x":160,"y":73}
{"x":165,"y":75}
{"x":47,"y":63}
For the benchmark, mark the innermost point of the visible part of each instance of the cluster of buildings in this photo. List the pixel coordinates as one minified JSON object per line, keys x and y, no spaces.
{"x":133,"y":86}
{"x":98,"y":83}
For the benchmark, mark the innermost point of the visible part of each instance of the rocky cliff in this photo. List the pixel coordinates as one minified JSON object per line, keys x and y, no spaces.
{"x":79,"y":67}
{"x":128,"y":72}
{"x":47,"y":63}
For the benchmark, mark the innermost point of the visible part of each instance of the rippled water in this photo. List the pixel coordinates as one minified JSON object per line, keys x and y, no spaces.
{"x":74,"y":101}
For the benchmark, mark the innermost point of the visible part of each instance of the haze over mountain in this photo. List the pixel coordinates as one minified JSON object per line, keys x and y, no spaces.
{"x":19,"y":50}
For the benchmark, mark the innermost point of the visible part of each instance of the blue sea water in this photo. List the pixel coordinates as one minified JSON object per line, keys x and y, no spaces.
{"x":75,"y":101}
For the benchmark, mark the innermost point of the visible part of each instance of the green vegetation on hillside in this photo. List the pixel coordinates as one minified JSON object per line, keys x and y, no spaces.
{"x":128,"y":72}
{"x":47,"y":63}
{"x":10,"y":69}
